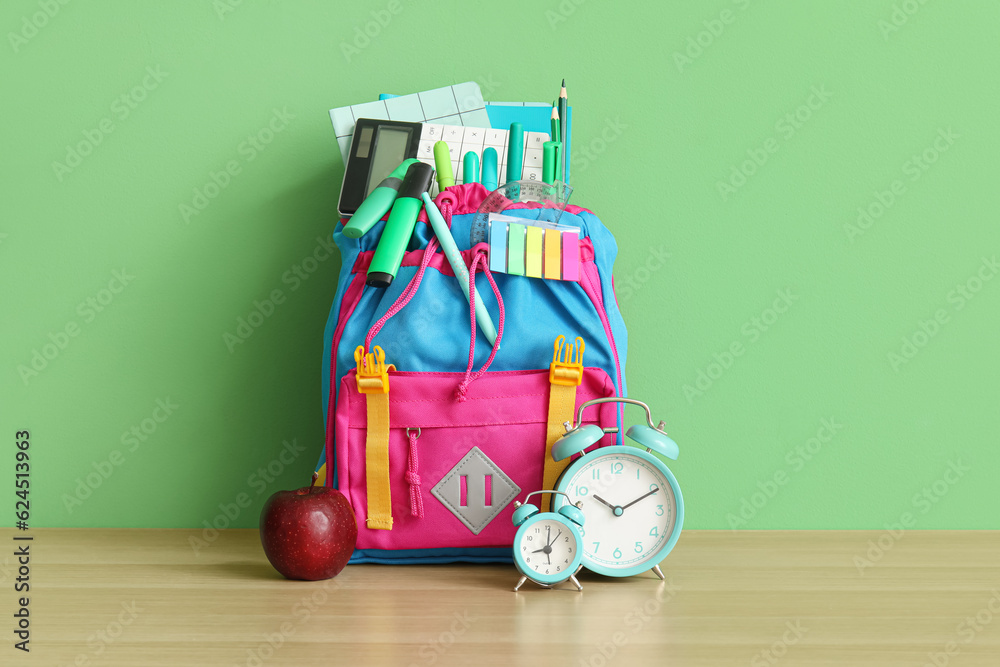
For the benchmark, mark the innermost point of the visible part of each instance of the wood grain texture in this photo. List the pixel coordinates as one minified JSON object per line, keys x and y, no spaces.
{"x":146,"y":598}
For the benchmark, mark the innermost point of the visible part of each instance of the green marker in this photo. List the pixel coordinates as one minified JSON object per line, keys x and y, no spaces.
{"x":470,"y":168}
{"x":377,"y":203}
{"x":515,"y":152}
{"x":442,"y":162}
{"x":549,"y":162}
{"x":399,"y":228}
{"x":490,"y":169}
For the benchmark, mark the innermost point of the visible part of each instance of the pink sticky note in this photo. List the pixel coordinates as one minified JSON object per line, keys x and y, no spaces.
{"x":570,"y":256}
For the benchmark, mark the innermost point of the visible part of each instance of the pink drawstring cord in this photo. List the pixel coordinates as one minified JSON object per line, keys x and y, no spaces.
{"x":413,"y":477}
{"x":471,"y":377}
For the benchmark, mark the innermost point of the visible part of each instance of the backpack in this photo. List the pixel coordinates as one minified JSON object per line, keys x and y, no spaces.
{"x":430,"y":431}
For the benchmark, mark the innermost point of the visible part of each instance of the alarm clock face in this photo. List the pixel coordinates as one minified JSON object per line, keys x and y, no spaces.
{"x":547,"y":549}
{"x":633,"y":505}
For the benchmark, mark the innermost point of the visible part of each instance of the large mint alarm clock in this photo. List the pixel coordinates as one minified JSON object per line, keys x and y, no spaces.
{"x":547,"y":545}
{"x":633,"y":503}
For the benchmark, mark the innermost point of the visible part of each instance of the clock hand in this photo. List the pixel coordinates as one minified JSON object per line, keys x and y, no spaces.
{"x":603,"y":501}
{"x":537,"y":550}
{"x":641,"y":497}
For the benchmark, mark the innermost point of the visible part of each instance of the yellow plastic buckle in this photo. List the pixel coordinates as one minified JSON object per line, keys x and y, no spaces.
{"x":566,"y":368}
{"x":373,"y":374}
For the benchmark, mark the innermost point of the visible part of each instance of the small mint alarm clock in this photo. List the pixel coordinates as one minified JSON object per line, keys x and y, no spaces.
{"x":634,"y":506}
{"x":547,"y":546}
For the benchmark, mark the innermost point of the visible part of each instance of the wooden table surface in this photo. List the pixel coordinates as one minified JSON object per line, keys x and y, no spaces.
{"x":141,"y":598}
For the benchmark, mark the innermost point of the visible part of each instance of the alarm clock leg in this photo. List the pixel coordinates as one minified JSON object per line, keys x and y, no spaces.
{"x":576,"y":582}
{"x":659,"y":573}
{"x":523,"y":579}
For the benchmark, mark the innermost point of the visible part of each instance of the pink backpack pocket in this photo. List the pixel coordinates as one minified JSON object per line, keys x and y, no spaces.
{"x":455,"y":466}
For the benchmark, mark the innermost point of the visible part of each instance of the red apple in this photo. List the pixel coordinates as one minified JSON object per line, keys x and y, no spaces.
{"x":309,"y":533}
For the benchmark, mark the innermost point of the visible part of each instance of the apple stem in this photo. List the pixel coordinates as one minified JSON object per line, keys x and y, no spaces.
{"x":315,"y":477}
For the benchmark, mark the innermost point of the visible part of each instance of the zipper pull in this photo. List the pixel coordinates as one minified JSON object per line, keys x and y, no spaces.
{"x":413,"y":477}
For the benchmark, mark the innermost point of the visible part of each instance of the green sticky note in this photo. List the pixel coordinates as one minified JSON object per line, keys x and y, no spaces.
{"x":533,"y":252}
{"x":515,"y":249}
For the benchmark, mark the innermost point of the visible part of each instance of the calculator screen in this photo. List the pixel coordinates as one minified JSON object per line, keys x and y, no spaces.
{"x":390,"y":150}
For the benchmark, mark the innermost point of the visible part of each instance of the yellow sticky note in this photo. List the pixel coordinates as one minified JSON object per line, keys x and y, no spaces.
{"x":553,"y":254}
{"x":533,"y":252}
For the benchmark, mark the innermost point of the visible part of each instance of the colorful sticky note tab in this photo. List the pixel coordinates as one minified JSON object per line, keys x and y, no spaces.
{"x":553,"y":248}
{"x":515,"y":249}
{"x":498,"y":247}
{"x":571,"y":256}
{"x":533,"y":252}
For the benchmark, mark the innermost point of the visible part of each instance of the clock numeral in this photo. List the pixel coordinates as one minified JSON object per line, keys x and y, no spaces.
{"x":582,"y":490}
{"x":659,"y":510}
{"x":558,"y":568}
{"x":617,"y":468}
{"x":654,"y":532}
{"x":617,"y":553}
{"x":524,"y":548}
{"x":538,"y":530}
{"x":638,"y":547}
{"x":653,"y":487}
{"x":566,"y":539}
{"x":530,"y":538}
{"x":595,"y":474}
{"x":597,"y":545}
{"x":637,"y":471}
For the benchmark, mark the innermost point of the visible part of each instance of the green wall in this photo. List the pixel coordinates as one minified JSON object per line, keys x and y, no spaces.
{"x":765,"y":318}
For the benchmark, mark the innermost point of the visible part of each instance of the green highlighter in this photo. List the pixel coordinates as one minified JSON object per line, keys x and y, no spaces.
{"x":377,"y":203}
{"x":399,"y":227}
